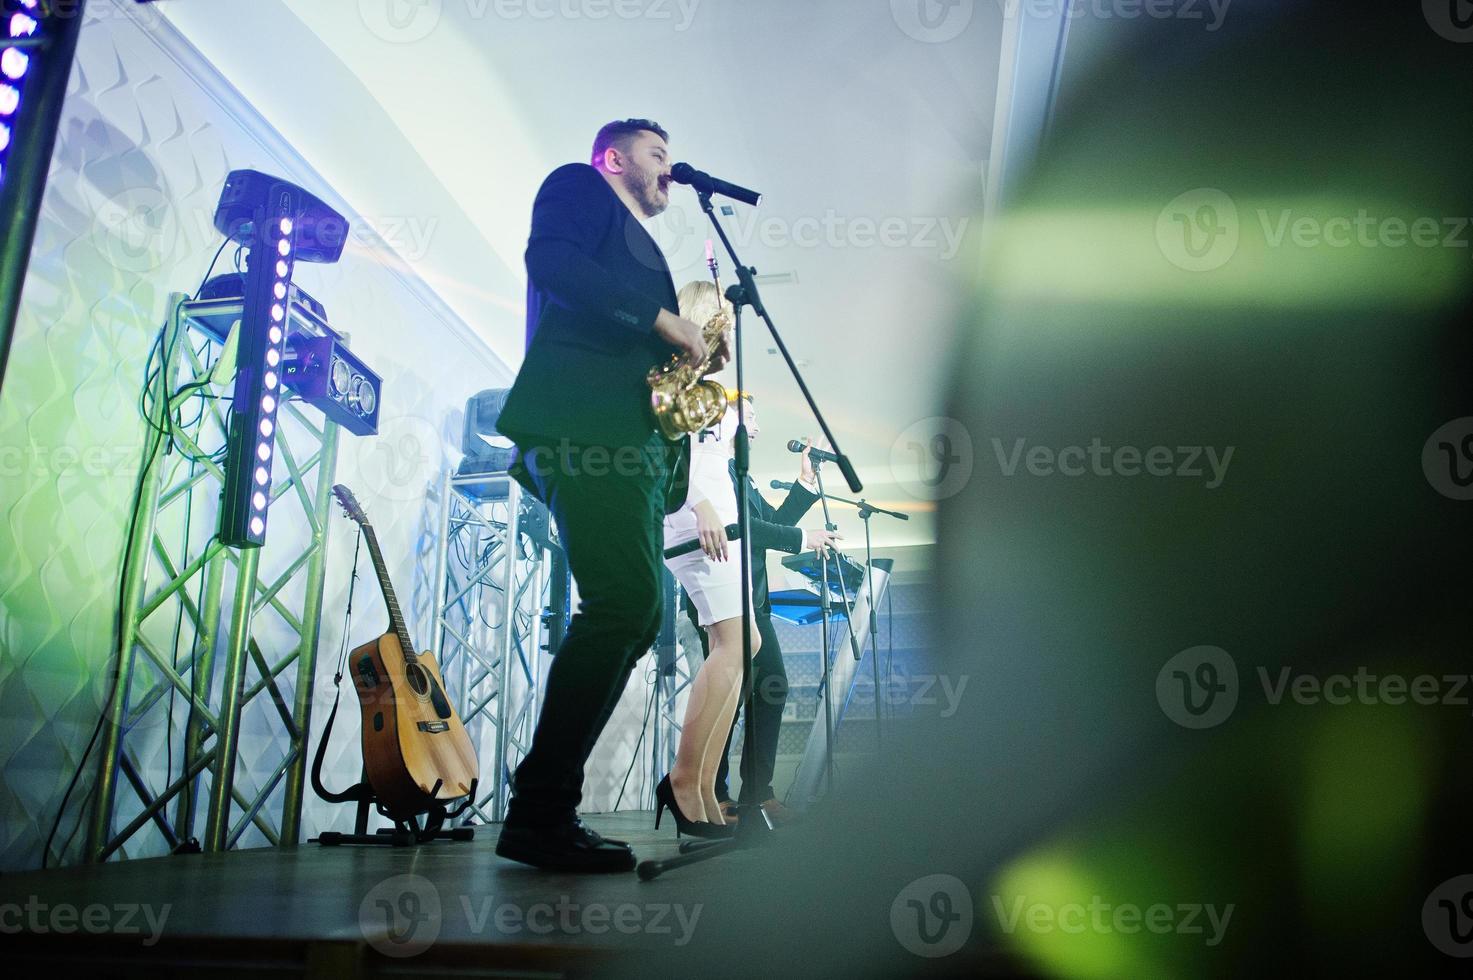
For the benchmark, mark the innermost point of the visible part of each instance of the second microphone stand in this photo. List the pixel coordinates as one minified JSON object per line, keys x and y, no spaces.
{"x":823,"y":612}
{"x":867,"y":510}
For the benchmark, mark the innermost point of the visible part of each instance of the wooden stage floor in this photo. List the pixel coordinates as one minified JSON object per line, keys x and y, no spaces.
{"x":445,"y":906}
{"x":455,"y":909}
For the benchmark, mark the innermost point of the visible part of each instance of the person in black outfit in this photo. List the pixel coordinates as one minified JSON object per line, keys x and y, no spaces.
{"x":771,"y":529}
{"x":600,"y":313}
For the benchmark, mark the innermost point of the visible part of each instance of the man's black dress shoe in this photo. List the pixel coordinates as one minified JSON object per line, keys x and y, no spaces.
{"x":569,"y":846}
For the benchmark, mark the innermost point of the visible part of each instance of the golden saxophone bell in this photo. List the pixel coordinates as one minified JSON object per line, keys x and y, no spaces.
{"x":683,"y":400}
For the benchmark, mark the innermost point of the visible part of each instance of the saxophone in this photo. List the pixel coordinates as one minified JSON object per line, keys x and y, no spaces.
{"x":684,"y":402}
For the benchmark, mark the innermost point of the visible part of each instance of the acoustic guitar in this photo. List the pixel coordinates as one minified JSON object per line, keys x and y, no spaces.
{"x":415,"y":749}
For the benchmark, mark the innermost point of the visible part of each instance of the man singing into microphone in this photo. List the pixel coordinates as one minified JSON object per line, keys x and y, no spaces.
{"x":600,"y":313}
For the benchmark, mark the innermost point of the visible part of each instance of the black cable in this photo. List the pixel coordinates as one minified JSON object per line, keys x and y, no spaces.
{"x":218,"y":251}
{"x":150,"y":372}
{"x":174,"y":649}
{"x":145,"y":403}
{"x":165,"y":425}
{"x":193,"y":646}
{"x":203,"y":353}
{"x":173,"y":425}
{"x":337,"y":684}
{"x":129,"y":543}
{"x":464,"y":557}
{"x":76,"y":826}
{"x":348,"y":616}
{"x":159,"y":434}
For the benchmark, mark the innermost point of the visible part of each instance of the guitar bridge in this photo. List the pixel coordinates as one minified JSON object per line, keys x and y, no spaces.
{"x":434,"y":727}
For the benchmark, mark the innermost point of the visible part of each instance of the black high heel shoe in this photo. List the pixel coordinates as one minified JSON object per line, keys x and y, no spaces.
{"x":665,"y":799}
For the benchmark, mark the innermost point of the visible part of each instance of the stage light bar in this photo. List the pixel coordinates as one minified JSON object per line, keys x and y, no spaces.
{"x":330,"y":377}
{"x":316,"y":364}
{"x":269,"y":216}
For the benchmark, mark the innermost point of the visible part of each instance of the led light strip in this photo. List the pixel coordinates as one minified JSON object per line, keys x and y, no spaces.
{"x":15,"y":62}
{"x":269,"y":392}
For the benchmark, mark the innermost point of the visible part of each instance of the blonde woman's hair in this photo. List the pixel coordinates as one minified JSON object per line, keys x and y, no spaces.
{"x":698,"y":301}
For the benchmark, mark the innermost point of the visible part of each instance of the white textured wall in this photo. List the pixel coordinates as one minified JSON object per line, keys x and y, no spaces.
{"x":146,"y":140}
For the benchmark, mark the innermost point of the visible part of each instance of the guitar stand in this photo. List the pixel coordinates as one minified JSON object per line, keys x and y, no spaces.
{"x":407,"y":831}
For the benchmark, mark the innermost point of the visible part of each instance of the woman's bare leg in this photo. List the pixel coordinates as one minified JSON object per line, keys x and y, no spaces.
{"x":704,"y":707}
{"x":730,"y":665}
{"x":714,"y":695}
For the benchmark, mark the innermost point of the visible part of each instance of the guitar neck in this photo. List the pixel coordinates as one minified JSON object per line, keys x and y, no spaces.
{"x":396,"y":618}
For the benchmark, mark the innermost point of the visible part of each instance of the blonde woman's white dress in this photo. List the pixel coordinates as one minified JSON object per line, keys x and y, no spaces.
{"x":714,"y":586}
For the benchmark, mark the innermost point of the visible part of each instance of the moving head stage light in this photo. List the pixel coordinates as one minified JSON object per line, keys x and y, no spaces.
{"x":250,"y":202}
{"x":278,"y":224}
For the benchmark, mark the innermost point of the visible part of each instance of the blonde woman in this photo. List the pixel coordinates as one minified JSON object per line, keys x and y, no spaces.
{"x":711,"y":576}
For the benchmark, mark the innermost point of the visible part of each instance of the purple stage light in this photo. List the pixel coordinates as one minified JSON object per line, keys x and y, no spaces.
{"x":15,"y":62}
{"x":281,"y":224}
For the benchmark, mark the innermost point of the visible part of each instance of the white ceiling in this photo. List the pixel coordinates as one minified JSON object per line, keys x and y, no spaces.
{"x":438,"y":119}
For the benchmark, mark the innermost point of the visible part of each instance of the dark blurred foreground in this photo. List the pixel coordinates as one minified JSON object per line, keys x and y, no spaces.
{"x":1217,"y":719}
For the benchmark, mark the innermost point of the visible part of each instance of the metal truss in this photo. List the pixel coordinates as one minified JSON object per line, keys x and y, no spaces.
{"x":214,"y":670}
{"x":496,"y":582}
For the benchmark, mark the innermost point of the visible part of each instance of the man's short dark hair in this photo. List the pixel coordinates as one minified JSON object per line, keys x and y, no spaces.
{"x":620,"y":134}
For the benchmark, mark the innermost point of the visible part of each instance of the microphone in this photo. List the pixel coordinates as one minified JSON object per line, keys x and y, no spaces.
{"x":817,"y":455}
{"x":684,"y":173}
{"x":780,"y":485}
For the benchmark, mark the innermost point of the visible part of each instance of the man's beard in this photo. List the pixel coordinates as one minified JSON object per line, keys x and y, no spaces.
{"x":644,"y":185}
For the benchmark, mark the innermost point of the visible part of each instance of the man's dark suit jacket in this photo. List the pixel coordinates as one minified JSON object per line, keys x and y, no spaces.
{"x":772,"y":529}
{"x":595,"y":282}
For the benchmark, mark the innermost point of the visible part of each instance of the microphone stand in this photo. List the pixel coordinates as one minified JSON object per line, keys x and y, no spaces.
{"x":867,"y":510}
{"x":752,"y":823}
{"x":823,"y":611}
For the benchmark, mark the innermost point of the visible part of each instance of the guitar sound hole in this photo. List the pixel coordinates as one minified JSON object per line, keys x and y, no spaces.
{"x":418,"y":678}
